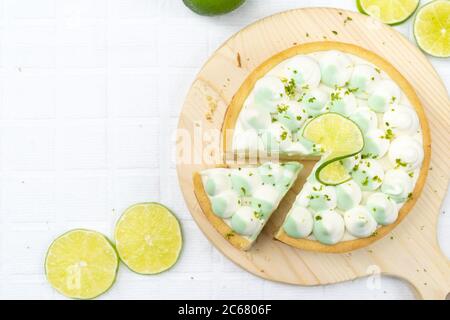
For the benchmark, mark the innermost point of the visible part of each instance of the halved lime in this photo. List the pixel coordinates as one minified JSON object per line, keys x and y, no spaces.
{"x":432,"y":28}
{"x":148,"y":238}
{"x":81,"y":264}
{"x":340,"y":138}
{"x":213,"y":7}
{"x":391,"y":12}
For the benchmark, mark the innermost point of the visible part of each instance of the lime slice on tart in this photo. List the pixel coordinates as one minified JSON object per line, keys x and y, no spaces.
{"x":213,"y":7}
{"x":339,"y":138}
{"x":391,"y":12}
{"x":148,"y":238}
{"x":432,"y":28}
{"x":81,"y":264}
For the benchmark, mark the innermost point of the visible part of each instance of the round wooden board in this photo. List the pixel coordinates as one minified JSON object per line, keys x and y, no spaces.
{"x":410,"y":251}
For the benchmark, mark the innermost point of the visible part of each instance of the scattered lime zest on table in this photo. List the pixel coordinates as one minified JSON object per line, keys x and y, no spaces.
{"x":81,"y":264}
{"x":213,"y":7}
{"x":340,"y":138}
{"x":392,"y":12}
{"x":432,"y":28}
{"x":148,"y":238}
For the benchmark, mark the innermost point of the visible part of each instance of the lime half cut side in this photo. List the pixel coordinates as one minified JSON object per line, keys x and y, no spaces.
{"x":432,"y":28}
{"x":339,"y":138}
{"x":81,"y":264}
{"x":148,"y":238}
{"x":392,"y":12}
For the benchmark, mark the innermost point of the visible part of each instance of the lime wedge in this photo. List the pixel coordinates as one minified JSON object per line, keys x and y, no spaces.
{"x":391,"y":12}
{"x":148,"y":238}
{"x":432,"y":28}
{"x":81,"y":264}
{"x":212,"y":7}
{"x":339,"y":138}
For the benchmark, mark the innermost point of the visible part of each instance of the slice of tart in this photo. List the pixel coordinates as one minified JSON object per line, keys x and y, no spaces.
{"x":239,"y":201}
{"x":368,"y":181}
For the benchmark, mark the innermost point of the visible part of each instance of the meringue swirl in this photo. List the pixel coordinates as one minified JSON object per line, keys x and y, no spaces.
{"x":397,"y":185}
{"x":328,"y":227}
{"x":359,"y":222}
{"x":406,"y":152}
{"x":300,"y":222}
{"x":402,"y":120}
{"x":383,"y":208}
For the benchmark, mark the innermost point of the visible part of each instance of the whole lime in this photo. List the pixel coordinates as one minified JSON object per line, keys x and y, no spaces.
{"x":212,"y":7}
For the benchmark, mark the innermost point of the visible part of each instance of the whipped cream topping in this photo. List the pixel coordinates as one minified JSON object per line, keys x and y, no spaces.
{"x":397,"y":185}
{"x":305,"y":86}
{"x":375,"y":144}
{"x":304,"y":70}
{"x":359,"y":222}
{"x":245,"y":198}
{"x":342,"y":101}
{"x":402,"y":120}
{"x":336,"y":68}
{"x":368,"y":173}
{"x":300,"y":222}
{"x":365,"y":118}
{"x":329,"y":227}
{"x":383,"y":208}
{"x":363,"y":78}
{"x":348,"y":195}
{"x":406,"y":152}
{"x":383,"y":95}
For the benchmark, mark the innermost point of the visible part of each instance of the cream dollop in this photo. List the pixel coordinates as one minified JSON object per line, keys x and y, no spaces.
{"x":254,"y":118}
{"x":363,"y":78}
{"x":328,"y":227}
{"x":348,"y":195}
{"x":245,"y":222}
{"x":406,"y":152}
{"x":225,"y":204}
{"x":277,"y":138}
{"x":268,"y":92}
{"x":216,"y":182}
{"x":383,"y":208}
{"x":375,"y":144}
{"x":342,"y":101}
{"x":397,"y":185}
{"x":299,"y":223}
{"x":365,"y":118}
{"x":359,"y":222}
{"x":313,"y":101}
{"x":304,"y":70}
{"x":383,"y":94}
{"x":317,"y":196}
{"x":402,"y":120}
{"x":336,"y":68}
{"x":368,"y":173}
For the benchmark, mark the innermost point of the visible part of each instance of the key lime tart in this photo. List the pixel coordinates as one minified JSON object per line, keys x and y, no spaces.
{"x":341,"y":106}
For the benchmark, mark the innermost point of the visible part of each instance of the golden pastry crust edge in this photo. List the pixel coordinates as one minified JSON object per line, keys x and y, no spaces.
{"x":238,"y":100}
{"x":232,"y":237}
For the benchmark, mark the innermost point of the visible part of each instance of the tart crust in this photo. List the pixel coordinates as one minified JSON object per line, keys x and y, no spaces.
{"x":232,"y":237}
{"x":234,"y":110}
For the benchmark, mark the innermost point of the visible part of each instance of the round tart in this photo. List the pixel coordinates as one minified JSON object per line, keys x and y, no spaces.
{"x":269,"y":112}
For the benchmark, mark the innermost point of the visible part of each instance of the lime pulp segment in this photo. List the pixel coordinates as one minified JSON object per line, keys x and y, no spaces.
{"x":148,"y":238}
{"x":392,"y":12}
{"x":81,"y":264}
{"x":432,"y":28}
{"x":339,"y":138}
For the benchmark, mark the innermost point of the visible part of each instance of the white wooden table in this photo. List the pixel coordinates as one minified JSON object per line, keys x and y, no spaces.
{"x":90,"y":92}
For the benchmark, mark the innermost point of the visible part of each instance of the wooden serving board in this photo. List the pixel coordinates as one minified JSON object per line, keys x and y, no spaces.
{"x":410,"y":251}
